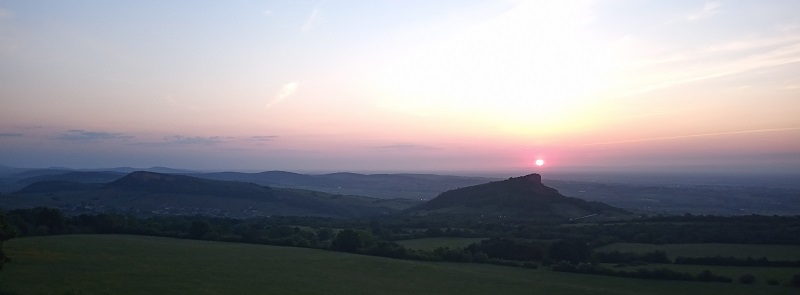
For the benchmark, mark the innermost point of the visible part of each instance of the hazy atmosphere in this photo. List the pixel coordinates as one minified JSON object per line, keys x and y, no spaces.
{"x":401,"y":85}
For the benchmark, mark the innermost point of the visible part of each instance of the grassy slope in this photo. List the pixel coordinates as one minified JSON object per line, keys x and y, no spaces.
{"x":118,"y":264}
{"x":772,"y":252}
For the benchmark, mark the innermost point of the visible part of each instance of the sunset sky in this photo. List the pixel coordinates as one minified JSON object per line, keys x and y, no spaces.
{"x":390,"y":85}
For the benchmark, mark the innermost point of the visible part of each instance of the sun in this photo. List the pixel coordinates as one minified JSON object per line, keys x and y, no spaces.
{"x":539,"y":162}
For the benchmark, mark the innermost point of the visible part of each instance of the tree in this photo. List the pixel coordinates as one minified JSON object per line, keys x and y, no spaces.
{"x":50,"y":218}
{"x":570,"y":250}
{"x":5,"y":234}
{"x":348,"y":241}
{"x":324,"y":234}
{"x":199,"y":229}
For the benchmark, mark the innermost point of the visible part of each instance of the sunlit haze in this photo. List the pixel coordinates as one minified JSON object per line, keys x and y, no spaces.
{"x":401,"y":85}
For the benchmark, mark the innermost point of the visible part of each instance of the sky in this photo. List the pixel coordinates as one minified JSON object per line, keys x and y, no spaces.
{"x":390,"y":85}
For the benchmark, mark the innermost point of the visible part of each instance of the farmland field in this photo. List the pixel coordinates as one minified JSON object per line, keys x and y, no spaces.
{"x":771,"y":252}
{"x":121,"y":264}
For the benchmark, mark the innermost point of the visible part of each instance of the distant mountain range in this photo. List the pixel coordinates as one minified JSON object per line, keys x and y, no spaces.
{"x":522,"y":197}
{"x":384,"y":186}
{"x":641,"y":198}
{"x":149,"y":193}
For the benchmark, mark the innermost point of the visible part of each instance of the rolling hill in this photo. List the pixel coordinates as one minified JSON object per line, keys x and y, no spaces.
{"x":74,"y":176}
{"x":522,"y":197}
{"x":149,"y":193}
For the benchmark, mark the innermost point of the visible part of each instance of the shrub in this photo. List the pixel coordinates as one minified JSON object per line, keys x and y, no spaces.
{"x":747,"y":279}
{"x":564,"y":266}
{"x":531,"y":265}
{"x":795,"y":282}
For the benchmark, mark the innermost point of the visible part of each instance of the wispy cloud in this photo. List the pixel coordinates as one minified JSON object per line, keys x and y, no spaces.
{"x":263,"y":138}
{"x":405,"y":146}
{"x":709,"y":9}
{"x":694,"y":135}
{"x":313,"y":19}
{"x":83,"y":135}
{"x":760,"y":44}
{"x":196,"y":140}
{"x":729,"y":58}
{"x":175,"y":103}
{"x":180,"y":140}
{"x":287,"y":90}
{"x":5,"y":14}
{"x":267,"y":12}
{"x":10,"y":134}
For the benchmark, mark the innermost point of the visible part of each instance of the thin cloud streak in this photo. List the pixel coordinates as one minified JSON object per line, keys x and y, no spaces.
{"x":180,"y":140}
{"x":405,"y":146}
{"x":693,"y":135}
{"x":709,"y":9}
{"x":787,"y":53}
{"x":312,"y":20}
{"x":83,"y":135}
{"x":192,"y":140}
{"x":286,"y":91}
{"x":5,"y":14}
{"x":263,"y":138}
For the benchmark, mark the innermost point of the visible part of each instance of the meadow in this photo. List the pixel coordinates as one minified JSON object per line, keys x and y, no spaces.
{"x":122,"y":264}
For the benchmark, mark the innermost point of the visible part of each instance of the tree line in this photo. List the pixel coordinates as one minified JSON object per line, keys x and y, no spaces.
{"x":641,"y":273}
{"x":308,"y":232}
{"x":564,"y":248}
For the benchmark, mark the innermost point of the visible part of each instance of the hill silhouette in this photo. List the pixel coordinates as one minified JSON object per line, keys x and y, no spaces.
{"x":75,"y":176}
{"x":54,"y":186}
{"x":518,"y":197}
{"x":150,"y":193}
{"x":152,"y":182}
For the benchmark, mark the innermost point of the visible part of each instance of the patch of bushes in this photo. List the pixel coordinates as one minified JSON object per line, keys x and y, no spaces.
{"x":732,"y":261}
{"x":641,"y":273}
{"x":795,"y":282}
{"x":747,"y":279}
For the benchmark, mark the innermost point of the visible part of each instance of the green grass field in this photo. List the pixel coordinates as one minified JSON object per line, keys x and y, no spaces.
{"x":120,"y":264}
{"x":772,"y":252}
{"x":433,"y":243}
